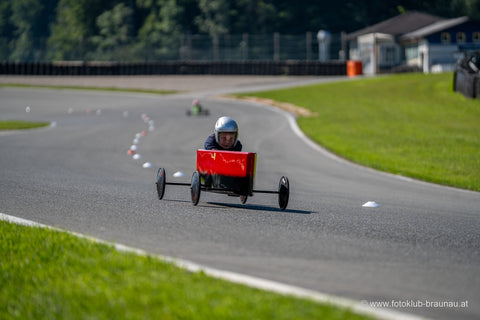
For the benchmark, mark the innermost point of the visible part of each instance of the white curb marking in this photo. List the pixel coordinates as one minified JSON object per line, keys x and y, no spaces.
{"x":250,"y":281}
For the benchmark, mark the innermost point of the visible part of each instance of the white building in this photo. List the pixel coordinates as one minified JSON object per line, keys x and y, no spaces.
{"x":413,"y":39}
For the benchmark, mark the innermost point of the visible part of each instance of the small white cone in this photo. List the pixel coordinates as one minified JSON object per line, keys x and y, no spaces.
{"x":151,"y":128}
{"x":136,"y":156}
{"x":136,"y":141}
{"x":147,"y":165}
{"x":27,"y":109}
{"x":53,"y":124}
{"x":134,"y":148}
{"x":371,"y":204}
{"x":138,"y":135}
{"x":179,"y":174}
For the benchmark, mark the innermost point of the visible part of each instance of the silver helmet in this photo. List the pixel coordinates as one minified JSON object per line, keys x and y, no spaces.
{"x":226,"y":124}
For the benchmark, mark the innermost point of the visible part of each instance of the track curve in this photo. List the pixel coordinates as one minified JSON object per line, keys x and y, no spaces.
{"x":422,"y":243}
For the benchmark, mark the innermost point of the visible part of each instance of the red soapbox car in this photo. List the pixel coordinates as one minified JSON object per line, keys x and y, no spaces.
{"x":227,"y":172}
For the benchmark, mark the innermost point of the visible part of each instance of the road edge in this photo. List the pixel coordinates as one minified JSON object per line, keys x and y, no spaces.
{"x":361,"y":307}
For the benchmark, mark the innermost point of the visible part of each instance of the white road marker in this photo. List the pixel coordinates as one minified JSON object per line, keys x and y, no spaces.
{"x":147,"y":165}
{"x":179,"y":174}
{"x":371,"y":204}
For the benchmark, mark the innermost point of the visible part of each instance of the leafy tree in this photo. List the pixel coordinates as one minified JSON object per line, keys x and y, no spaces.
{"x":214,"y":17}
{"x":75,"y":24}
{"x":115,"y":32}
{"x":469,"y":8}
{"x":256,"y":17}
{"x":27,"y":27}
{"x":186,"y":19}
{"x":158,"y":36}
{"x":32,"y":30}
{"x":6,"y":30}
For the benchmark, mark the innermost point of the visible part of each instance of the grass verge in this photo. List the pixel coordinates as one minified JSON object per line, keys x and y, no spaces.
{"x":18,"y":85}
{"x":47,"y":274}
{"x":21,"y":125}
{"x":412,"y":125}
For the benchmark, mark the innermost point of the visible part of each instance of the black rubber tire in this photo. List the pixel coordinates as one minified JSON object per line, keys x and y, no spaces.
{"x":160,"y":183}
{"x":283,"y":192}
{"x":195,"y":188}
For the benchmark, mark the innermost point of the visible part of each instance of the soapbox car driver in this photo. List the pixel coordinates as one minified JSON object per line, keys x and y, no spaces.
{"x":225,"y":136}
{"x":196,"y":107}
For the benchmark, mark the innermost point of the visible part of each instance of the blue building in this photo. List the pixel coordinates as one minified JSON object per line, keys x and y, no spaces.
{"x":414,"y":40}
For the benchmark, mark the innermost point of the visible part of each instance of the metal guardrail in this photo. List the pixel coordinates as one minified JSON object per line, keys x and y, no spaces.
{"x":175,"y":67}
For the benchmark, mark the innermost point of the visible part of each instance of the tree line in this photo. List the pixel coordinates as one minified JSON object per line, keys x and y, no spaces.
{"x":36,"y":30}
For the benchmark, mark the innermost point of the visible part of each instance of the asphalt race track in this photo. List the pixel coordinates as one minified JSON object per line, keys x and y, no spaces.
{"x":421,"y":245}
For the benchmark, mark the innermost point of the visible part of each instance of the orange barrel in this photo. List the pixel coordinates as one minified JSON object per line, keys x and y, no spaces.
{"x":354,"y":68}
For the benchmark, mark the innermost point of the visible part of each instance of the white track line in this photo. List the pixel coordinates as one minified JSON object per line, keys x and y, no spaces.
{"x":292,"y":121}
{"x":259,"y":283}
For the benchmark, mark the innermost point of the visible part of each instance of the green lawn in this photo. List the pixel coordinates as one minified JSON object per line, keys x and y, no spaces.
{"x":46,"y":274}
{"x":410,"y":124}
{"x":21,"y":125}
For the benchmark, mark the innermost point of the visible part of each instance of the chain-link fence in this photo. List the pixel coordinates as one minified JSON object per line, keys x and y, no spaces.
{"x":185,"y":47}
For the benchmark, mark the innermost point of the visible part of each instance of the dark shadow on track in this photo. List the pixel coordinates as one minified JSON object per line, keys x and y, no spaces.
{"x":259,"y":208}
{"x":241,"y":206}
{"x":174,"y":200}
